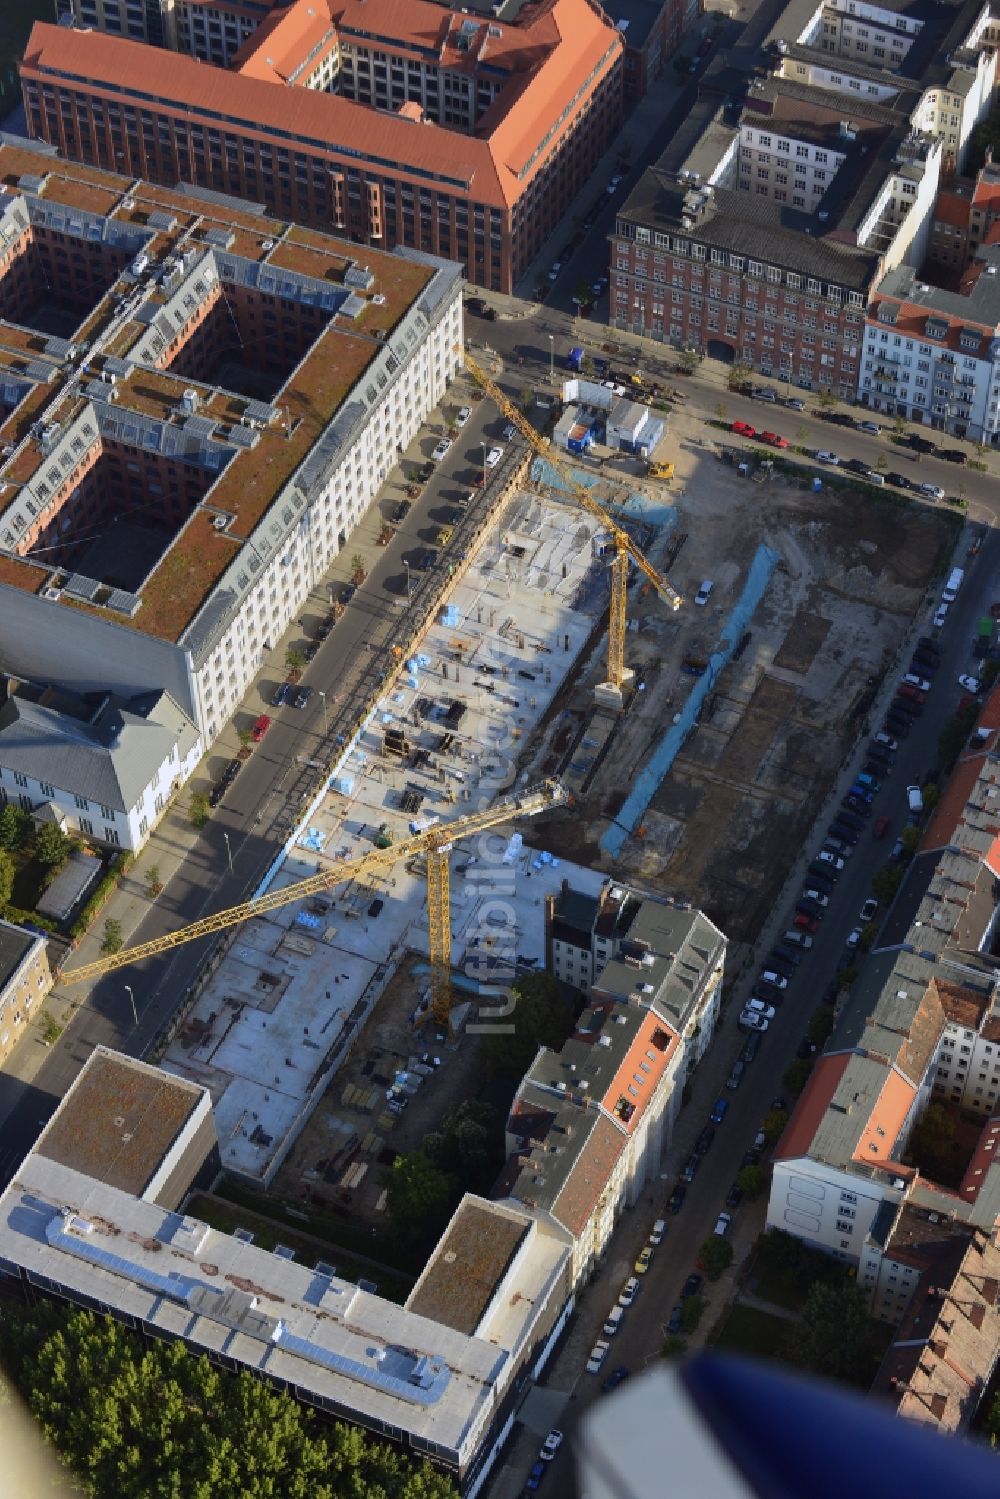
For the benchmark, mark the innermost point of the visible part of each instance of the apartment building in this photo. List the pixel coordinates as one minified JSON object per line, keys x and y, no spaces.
{"x":933,"y":356}
{"x":630,"y":947}
{"x":25,"y":980}
{"x":108,"y":769}
{"x":841,"y":1180}
{"x":197,"y":405}
{"x":806,"y":171}
{"x":462,"y":135}
{"x":95,"y":1216}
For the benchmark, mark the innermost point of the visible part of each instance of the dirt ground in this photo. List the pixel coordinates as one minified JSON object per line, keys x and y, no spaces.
{"x":852,"y":572}
{"x":338,"y":1159}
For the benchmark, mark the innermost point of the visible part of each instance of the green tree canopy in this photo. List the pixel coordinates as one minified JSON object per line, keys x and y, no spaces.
{"x":7,"y":872}
{"x":15,"y":827}
{"x":51,"y":844}
{"x":468,"y":1145}
{"x":541,"y":1017}
{"x":419,"y":1198}
{"x":715,"y":1256}
{"x":833,"y":1336}
{"x":138,"y":1420}
{"x":753,"y":1181}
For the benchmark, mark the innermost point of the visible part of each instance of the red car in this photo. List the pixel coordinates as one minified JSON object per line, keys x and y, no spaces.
{"x":806,"y":923}
{"x":880,"y":827}
{"x":913,"y":693}
{"x":774,"y":439}
{"x":744,"y":429}
{"x":260,"y":728}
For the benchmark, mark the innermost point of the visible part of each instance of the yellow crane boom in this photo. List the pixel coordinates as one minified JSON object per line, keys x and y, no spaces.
{"x":626,"y":550}
{"x":435,"y":842}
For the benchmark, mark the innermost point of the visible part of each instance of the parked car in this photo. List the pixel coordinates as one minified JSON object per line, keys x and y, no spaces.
{"x":804,"y":921}
{"x":887,"y":741}
{"x":872,"y":427}
{"x":953,"y":455}
{"x":920,"y":683}
{"x":705,"y":1140}
{"x":796,"y":939}
{"x":260,"y":728}
{"x":823,"y":455}
{"x":880,"y":827}
{"x":551,"y":1446}
{"x":657,"y":1231}
{"x":534,"y":1479}
{"x":854,"y":938}
{"x":736,"y":1073}
{"x":704,"y":592}
{"x":857,"y":467}
{"x":816,"y":896}
{"x":719,"y":1111}
{"x":926,"y":643}
{"x":675,"y":1320}
{"x":758,"y":1007}
{"x":493,"y":457}
{"x":743,"y":429}
{"x":615,"y":1378}
{"x":921,"y":444}
{"x":463,"y":416}
{"x":751,"y":1047}
{"x":644,"y":1260}
{"x":911,"y":706}
{"x":281,"y":695}
{"x":691,"y":1286}
{"x":841,"y":831}
{"x":794,"y":403}
{"x":830,"y":861}
{"x":774,"y":439}
{"x":301,"y":698}
{"x":931,"y":491}
{"x":774,"y":978}
{"x":441,"y":449}
{"x":691,"y":1168}
{"x":629,"y":1291}
{"x":598,"y":1354}
{"x":751,"y":1021}
{"x":676,"y":1199}
{"x":734,"y":1196}
{"x":868,"y":911}
{"x":900,"y":480}
{"x":722,"y":1225}
{"x":971,"y":684}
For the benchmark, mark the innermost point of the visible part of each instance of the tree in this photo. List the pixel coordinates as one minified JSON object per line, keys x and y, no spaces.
{"x":7,"y":872}
{"x":113,"y":940}
{"x":885,"y":882}
{"x":468,"y":1144}
{"x":722,"y":411}
{"x":820,"y":1025}
{"x":881,"y":463}
{"x":51,"y":1029}
{"x":200,"y":808}
{"x":51,"y":845}
{"x":753,"y":1182}
{"x":154,"y":885}
{"x":833,"y":1335}
{"x":951,"y":740}
{"x":15,"y":827}
{"x":796,"y":1076}
{"x":295,"y":658}
{"x":689,"y":360}
{"x":826,"y":399}
{"x":673,"y":1346}
{"x":934,"y":1133}
{"x":357,"y":568}
{"x":739,"y":374}
{"x":138,"y":1420}
{"x":691,"y":1313}
{"x":910,"y":839}
{"x":931,"y":794}
{"x":774,"y":1124}
{"x":541,"y":1017}
{"x":419,"y":1198}
{"x":715,"y":1256}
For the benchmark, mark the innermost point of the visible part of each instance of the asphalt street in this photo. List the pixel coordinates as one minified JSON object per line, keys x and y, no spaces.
{"x":644,"y":1327}
{"x":225,"y":863}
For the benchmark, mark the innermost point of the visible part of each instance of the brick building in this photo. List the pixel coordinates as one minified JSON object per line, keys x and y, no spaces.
{"x":25,"y":980}
{"x":393,"y":124}
{"x":798,"y":180}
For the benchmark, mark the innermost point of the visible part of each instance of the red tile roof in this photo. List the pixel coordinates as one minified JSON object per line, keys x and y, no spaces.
{"x":953,"y":209}
{"x":911,"y":320}
{"x":283,"y":41}
{"x":588,"y":1180}
{"x":813,"y":1102}
{"x":536,"y":106}
{"x":948,"y":814}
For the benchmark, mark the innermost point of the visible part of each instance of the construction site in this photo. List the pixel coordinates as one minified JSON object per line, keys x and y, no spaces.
{"x":687,"y":662}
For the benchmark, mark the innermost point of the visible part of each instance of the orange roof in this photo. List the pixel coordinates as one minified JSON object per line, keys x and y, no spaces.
{"x":495,"y":171}
{"x":813,"y":1102}
{"x":948,"y":814}
{"x":885,"y":1121}
{"x":283,"y":41}
{"x":642,"y":1067}
{"x":950,"y":208}
{"x":911,"y":320}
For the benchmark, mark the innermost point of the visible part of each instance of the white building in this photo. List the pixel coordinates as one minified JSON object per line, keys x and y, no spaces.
{"x":934,"y":356}
{"x":109,"y":769}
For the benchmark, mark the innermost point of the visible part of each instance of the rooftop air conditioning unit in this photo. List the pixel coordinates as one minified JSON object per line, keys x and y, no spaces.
{"x":268,"y":244}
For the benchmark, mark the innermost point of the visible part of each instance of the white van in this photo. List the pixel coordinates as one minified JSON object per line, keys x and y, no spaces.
{"x":952,"y":586}
{"x":914,"y":799}
{"x":614,"y":1321}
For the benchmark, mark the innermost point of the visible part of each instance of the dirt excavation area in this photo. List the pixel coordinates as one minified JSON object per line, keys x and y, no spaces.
{"x":813,"y":594}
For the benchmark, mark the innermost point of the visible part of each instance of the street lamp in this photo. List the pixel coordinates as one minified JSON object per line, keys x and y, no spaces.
{"x":135,"y":1013}
{"x":229,"y":852}
{"x":322,"y":694}
{"x":409,"y":595}
{"x":552,"y":357}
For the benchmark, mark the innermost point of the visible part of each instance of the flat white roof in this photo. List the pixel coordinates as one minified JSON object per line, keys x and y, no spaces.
{"x":340,"y":1345}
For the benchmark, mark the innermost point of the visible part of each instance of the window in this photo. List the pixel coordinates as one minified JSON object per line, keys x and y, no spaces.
{"x":19,"y":779}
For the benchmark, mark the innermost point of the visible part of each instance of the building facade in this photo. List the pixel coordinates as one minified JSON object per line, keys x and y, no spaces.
{"x":25,"y":980}
{"x":451,"y":134}
{"x":182,"y":463}
{"x":109,"y":770}
{"x":761,"y":232}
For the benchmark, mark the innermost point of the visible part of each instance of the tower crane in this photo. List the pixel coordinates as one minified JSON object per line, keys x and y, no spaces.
{"x":435,"y":843}
{"x":626,"y":550}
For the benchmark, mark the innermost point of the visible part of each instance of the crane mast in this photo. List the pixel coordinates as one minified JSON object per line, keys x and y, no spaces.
{"x":626,"y":549}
